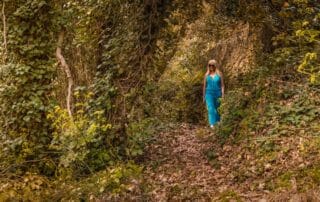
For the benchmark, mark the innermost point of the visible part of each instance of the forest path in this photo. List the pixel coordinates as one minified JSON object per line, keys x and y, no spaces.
{"x":178,"y":167}
{"x":188,"y":163}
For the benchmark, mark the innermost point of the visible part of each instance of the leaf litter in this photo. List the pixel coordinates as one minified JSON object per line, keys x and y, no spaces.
{"x":179,"y":166}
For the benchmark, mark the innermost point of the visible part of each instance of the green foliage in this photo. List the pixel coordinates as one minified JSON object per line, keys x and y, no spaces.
{"x":306,"y":179}
{"x":282,"y":181}
{"x":301,"y":112}
{"x":233,"y":110}
{"x":180,"y":100}
{"x":267,"y":106}
{"x":115,"y":178}
{"x":213,"y":159}
{"x":33,"y":130}
{"x":229,"y":195}
{"x":138,"y":135}
{"x":178,"y":94}
{"x":302,"y":36}
{"x":255,"y":12}
{"x":88,"y":142}
{"x":114,"y":181}
{"x":310,"y":66}
{"x":81,"y":140}
{"x":120,"y":50}
{"x":26,"y":80}
{"x":30,"y":187}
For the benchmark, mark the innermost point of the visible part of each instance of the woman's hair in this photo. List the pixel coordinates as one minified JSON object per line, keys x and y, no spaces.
{"x":214,"y":63}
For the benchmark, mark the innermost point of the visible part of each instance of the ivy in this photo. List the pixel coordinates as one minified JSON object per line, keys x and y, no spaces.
{"x":26,"y":81}
{"x":303,"y":35}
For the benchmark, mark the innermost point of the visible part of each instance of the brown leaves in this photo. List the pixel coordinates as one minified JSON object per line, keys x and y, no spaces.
{"x":179,"y":166}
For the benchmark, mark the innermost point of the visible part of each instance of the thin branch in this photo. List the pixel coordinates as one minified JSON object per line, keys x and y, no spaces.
{"x":4,"y":21}
{"x":67,"y":70}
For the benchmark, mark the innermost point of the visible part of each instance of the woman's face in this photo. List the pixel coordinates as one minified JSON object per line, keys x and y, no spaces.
{"x":212,"y":67}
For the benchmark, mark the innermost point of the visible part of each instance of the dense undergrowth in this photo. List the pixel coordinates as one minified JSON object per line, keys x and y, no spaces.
{"x":138,"y":68}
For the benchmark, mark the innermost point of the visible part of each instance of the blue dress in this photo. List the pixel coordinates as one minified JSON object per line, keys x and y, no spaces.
{"x":212,"y":96}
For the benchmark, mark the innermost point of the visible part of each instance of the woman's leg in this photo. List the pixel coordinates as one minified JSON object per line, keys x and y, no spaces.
{"x":216,"y":102}
{"x":211,"y":109}
{"x":213,"y":104}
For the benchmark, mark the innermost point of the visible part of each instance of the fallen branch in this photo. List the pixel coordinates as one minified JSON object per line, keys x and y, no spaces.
{"x":67,"y":70}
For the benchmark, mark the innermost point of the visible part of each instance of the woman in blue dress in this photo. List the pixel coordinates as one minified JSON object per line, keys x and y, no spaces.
{"x":213,"y":90}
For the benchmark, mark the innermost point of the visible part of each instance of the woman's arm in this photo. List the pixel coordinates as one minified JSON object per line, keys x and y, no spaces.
{"x":205,"y":83}
{"x":204,"y":87}
{"x":222,"y":85}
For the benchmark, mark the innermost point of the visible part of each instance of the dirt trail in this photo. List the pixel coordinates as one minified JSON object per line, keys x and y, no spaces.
{"x":178,"y":169}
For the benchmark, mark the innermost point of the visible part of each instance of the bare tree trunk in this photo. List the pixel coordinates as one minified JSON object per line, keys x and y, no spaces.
{"x":67,"y":70}
{"x":4,"y":21}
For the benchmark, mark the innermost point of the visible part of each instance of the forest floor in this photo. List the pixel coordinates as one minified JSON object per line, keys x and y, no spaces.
{"x":189,"y":163}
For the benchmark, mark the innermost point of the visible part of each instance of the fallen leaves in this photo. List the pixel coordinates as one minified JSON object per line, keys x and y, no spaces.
{"x":190,"y":164}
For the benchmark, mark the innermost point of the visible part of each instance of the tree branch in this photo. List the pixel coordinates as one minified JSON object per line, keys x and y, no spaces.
{"x":4,"y":21}
{"x":67,"y":70}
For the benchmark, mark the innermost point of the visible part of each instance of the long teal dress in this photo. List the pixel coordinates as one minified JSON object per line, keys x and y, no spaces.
{"x":212,"y":96}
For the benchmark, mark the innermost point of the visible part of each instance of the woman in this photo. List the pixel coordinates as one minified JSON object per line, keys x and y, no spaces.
{"x":213,"y":90}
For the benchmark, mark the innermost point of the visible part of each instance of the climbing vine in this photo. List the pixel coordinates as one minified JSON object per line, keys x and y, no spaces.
{"x":25,"y":91}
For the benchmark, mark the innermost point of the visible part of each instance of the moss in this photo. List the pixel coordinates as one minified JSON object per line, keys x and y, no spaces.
{"x":228,"y":195}
{"x":280,"y":182}
{"x":308,"y":178}
{"x":315,"y":175}
{"x":241,"y":176}
{"x":212,"y":157}
{"x":284,"y":180}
